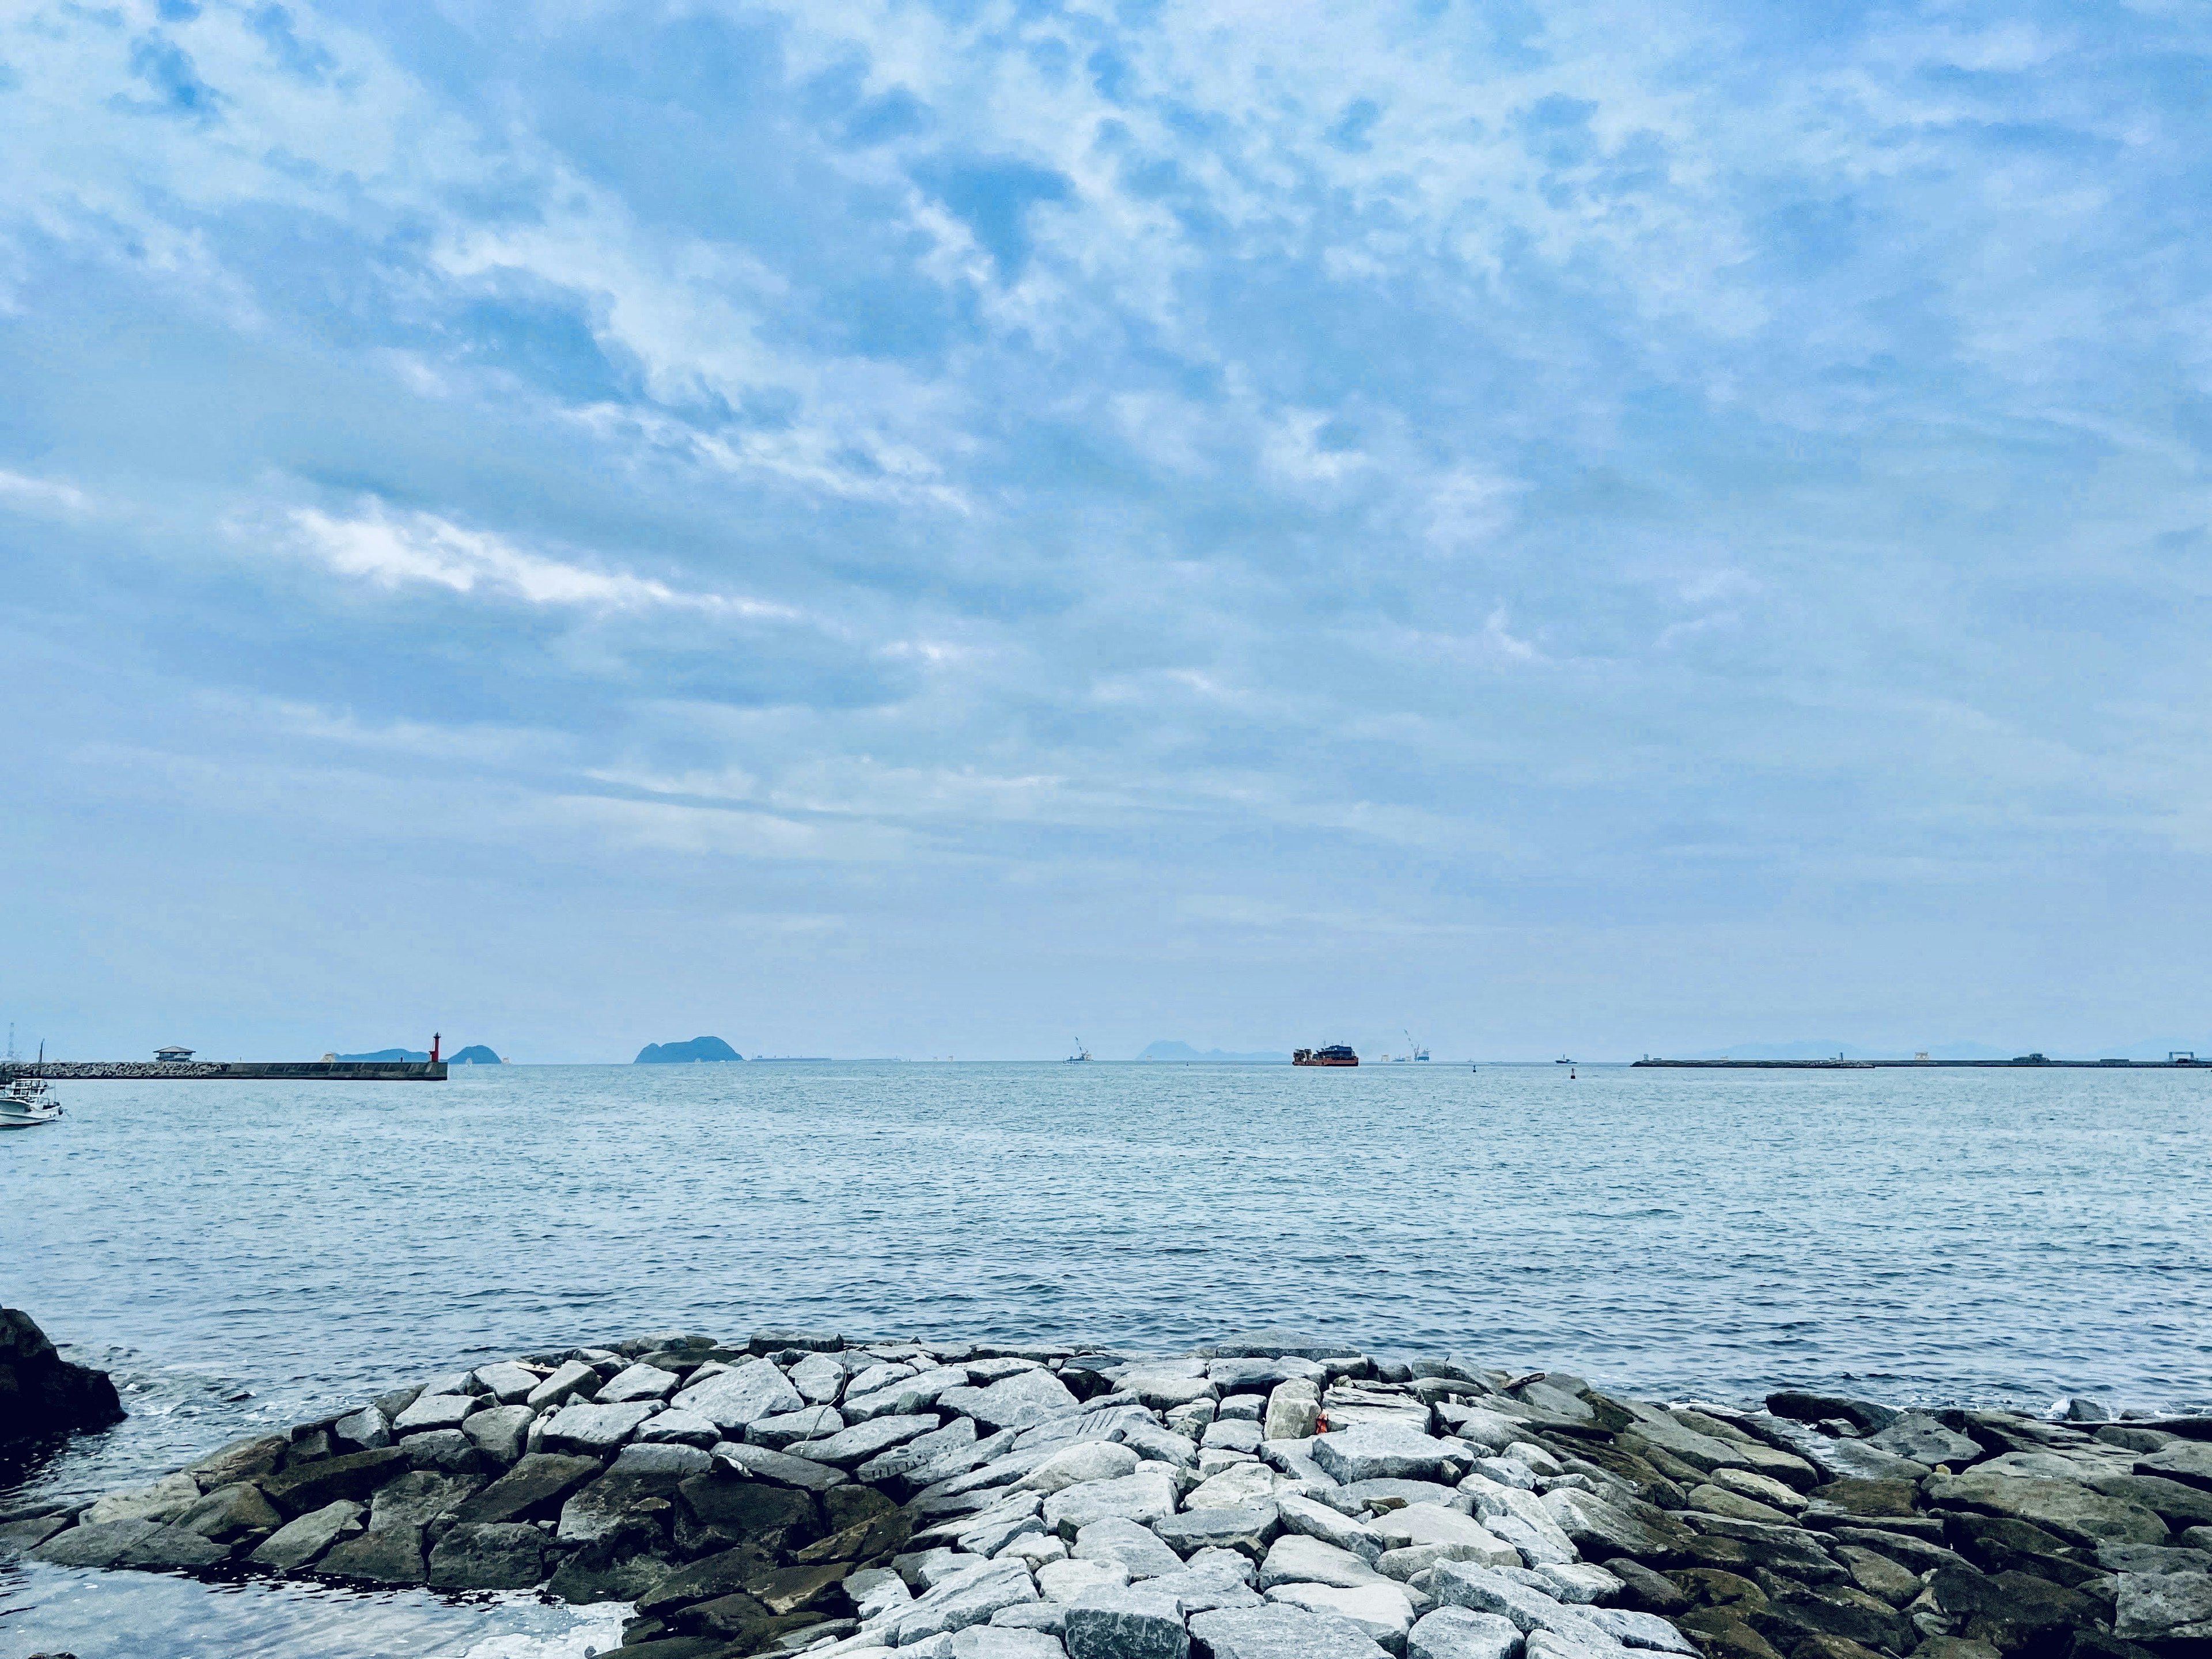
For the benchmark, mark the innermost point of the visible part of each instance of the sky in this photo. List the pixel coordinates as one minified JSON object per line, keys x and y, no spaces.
{"x":906,"y":529}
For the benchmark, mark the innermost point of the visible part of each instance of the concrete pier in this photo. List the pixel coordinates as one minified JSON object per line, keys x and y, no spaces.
{"x":198,"y":1070}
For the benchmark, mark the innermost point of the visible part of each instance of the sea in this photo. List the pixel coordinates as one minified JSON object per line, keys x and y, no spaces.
{"x":243,"y":1255}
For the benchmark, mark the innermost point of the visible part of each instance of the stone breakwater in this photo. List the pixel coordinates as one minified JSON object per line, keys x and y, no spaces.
{"x":1268,"y":1498}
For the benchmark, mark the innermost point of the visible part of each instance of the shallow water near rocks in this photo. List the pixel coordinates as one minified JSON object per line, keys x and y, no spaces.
{"x":245,"y":1254}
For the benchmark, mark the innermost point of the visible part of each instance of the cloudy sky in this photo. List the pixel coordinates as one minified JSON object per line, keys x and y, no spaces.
{"x":912,"y":528}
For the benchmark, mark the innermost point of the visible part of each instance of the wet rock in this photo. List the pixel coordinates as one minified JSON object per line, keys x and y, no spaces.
{"x":2164,"y":1607}
{"x":591,"y":1577}
{"x":1794,"y":1611}
{"x":1461,"y":1634}
{"x":498,"y":1433}
{"x":137,"y":1543}
{"x":785,"y":1339}
{"x":534,"y":1489}
{"x":1600,"y":1530}
{"x":1280,"y":1631}
{"x":1863,"y":1415}
{"x":229,"y":1514}
{"x":1248,"y":1529}
{"x":2072,"y":1511}
{"x":1645,"y":1590}
{"x":43,"y":1395}
{"x":448,"y":1451}
{"x":298,"y":1542}
{"x":1923,"y":1438}
{"x":312,"y":1485}
{"x":393,"y":1556}
{"x":165,"y":1500}
{"x":2189,"y":1461}
{"x":503,"y":1555}
{"x":253,"y":1458}
{"x":714,"y":1513}
{"x":2011,"y":1611}
{"x":362,"y":1431}
{"x":1131,"y":1622}
{"x":1878,"y":1575}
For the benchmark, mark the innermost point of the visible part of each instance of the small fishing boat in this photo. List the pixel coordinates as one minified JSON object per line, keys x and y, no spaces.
{"x":26,"y":1102}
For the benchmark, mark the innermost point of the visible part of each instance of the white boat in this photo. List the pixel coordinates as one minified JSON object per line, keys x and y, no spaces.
{"x":24,"y":1103}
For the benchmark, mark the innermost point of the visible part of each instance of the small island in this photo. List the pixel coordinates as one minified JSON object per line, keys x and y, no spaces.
{"x":699,"y":1048}
{"x":476,"y":1054}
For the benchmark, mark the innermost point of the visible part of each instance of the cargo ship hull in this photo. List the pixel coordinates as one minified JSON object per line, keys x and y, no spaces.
{"x":1339,"y":1055}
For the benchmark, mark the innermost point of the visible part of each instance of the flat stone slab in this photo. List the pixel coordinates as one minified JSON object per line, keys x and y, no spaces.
{"x":1249,"y":1528}
{"x":1145,"y":1496}
{"x":1462,"y":1633}
{"x":732,"y":1398}
{"x":759,"y":1463}
{"x":593,"y":1430}
{"x":139,"y":1543}
{"x":1278,"y":1632}
{"x":1388,"y":1451}
{"x":638,"y":1381}
{"x":864,"y":1440}
{"x":1028,"y":1397}
{"x":1127,"y":1544}
{"x":1132,"y":1621}
{"x":534,"y":1487}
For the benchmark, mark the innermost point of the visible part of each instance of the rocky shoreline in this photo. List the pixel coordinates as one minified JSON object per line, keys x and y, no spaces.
{"x":1267,"y":1497}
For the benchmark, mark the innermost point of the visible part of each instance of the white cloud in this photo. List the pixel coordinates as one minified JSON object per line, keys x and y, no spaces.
{"x":44,"y":496}
{"x":396,"y":549}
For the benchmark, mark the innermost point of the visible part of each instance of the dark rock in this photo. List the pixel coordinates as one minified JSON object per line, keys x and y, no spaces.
{"x":703,"y":1581}
{"x":1794,"y":1611}
{"x":29,"y":1532}
{"x":862,"y":1524}
{"x":43,"y":1395}
{"x":1724,"y":1633}
{"x":254,"y":1458}
{"x":1905,"y":1548}
{"x":392,"y":1556}
{"x":1863,"y":1415}
{"x":312,"y":1485}
{"x":782,"y":1341}
{"x":582,"y":1579}
{"x":1644,"y":1590}
{"x":1997,"y":1543}
{"x":677,"y":1647}
{"x":311,"y":1446}
{"x":447,"y":1451}
{"x":2180,"y":1506}
{"x":2189,"y":1461}
{"x":229,"y":1514}
{"x":534,"y":1489}
{"x":490,"y":1556}
{"x":2013,"y":1612}
{"x":129,"y":1544}
{"x":1711,"y":1586}
{"x":794,"y":1589}
{"x":1820,"y":1645}
{"x":714,"y":1513}
{"x":736,"y":1618}
{"x":1868,"y":1497}
{"x":1782,"y":1549}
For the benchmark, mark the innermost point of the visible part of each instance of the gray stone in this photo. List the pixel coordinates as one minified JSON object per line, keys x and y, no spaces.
{"x":1165,"y":1387}
{"x":1210,"y":1579}
{"x":1147,"y":1496}
{"x":1582,"y":1584}
{"x":133,"y":1543}
{"x":1063,"y":1581}
{"x":863,"y":1441}
{"x":638,"y":1381}
{"x":393,"y":1556}
{"x":1917,"y":1436}
{"x":1432,"y":1523}
{"x":1257,"y":1373}
{"x":785,"y":1338}
{"x":818,"y":1378}
{"x":1462,"y":1633}
{"x":808,"y":1423}
{"x":661,"y":1458}
{"x":759,"y":1463}
{"x":363,"y":1431}
{"x":592,"y":1430}
{"x":1388,"y":1451}
{"x":1042,"y":1617}
{"x":1302,"y":1515}
{"x":508,"y":1383}
{"x":882,"y":1375}
{"x":2189,"y":1461}
{"x":436,"y":1411}
{"x":1156,"y":1444}
{"x":1132,"y":1622}
{"x":1014,"y":1402}
{"x":1519,"y":1518}
{"x":445,"y":1451}
{"x":677,"y":1426}
{"x":571,"y":1379}
{"x":1361,"y":1496}
{"x":992,"y":1641}
{"x":1485,"y":1589}
{"x":502,"y":1556}
{"x":1569,"y":1645}
{"x":534,"y":1487}
{"x":1086,"y":1461}
{"x":296,"y":1543}
{"x":969,"y":1598}
{"x":1232,"y":1435}
{"x":416,"y":1499}
{"x":2073,"y":1511}
{"x":1127,"y":1544}
{"x":1296,"y":1558}
{"x":499,"y":1433}
{"x":2166,"y":1607}
{"x":1383,"y":1612}
{"x":1639,"y":1630}
{"x":904,"y":1396}
{"x":1293,"y":1409}
{"x":1601,"y":1530}
{"x":924,"y":1450}
{"x":1281,"y":1631}
{"x":165,"y":1500}
{"x":732,"y":1398}
{"x":1248,"y":1529}
{"x":231,"y":1513}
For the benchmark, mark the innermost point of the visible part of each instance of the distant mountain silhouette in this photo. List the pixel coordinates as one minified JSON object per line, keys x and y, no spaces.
{"x":671,"y":1053}
{"x":391,"y":1054}
{"x":1183,"y":1054}
{"x":476,"y":1055}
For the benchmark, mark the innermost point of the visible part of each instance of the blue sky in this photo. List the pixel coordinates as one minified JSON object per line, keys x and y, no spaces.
{"x":903,"y":528}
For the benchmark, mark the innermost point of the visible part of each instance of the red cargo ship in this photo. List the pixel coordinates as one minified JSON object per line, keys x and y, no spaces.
{"x":1336,"y":1054}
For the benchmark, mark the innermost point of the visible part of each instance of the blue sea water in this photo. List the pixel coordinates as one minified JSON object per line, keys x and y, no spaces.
{"x":246,"y":1254}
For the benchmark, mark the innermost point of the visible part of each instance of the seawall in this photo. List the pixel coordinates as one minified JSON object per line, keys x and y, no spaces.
{"x":335,"y":1071}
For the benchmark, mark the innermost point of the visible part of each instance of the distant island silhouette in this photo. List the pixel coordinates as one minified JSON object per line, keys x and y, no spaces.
{"x":476,"y":1055}
{"x":672,"y":1053}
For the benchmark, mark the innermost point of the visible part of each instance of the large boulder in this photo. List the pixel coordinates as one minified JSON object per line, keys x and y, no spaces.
{"x":1281,"y":1631}
{"x":1133,"y":1621}
{"x":43,"y":1395}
